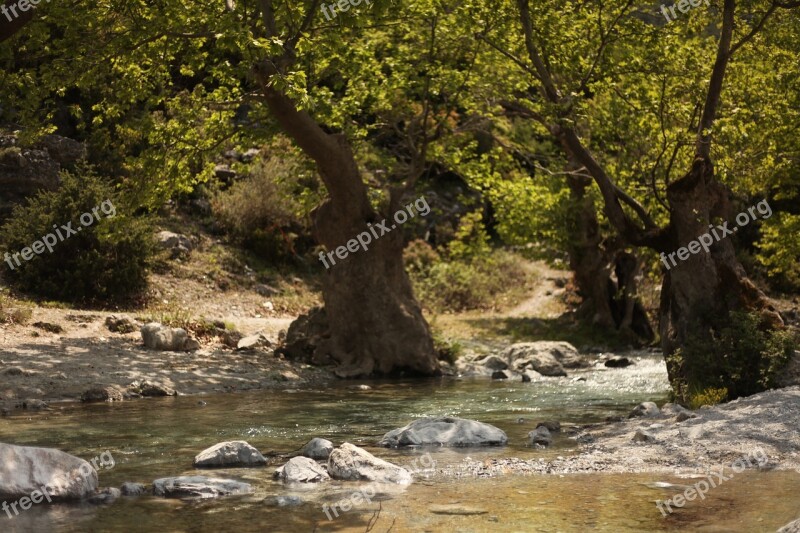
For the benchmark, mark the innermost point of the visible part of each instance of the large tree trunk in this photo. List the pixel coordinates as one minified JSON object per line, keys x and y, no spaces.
{"x":609,"y":303}
{"x":699,"y":294}
{"x":375,"y":325}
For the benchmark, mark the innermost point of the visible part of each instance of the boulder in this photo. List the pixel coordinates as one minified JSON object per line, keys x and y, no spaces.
{"x":231,"y":453}
{"x":133,"y":489}
{"x":301,"y":470}
{"x":791,"y":527}
{"x":151,"y":389}
{"x":499,"y":374}
{"x":159,"y":337}
{"x":446,"y":431}
{"x":541,"y":436}
{"x":552,"y":426}
{"x":543,"y":353}
{"x":645,"y":410}
{"x":177,"y":244}
{"x":55,"y":474}
{"x":120,"y":324}
{"x":351,"y":463}
{"x":111,"y":393}
{"x":643,"y":436}
{"x":198,"y":487}
{"x":317,"y":448}
{"x":493,"y":362}
{"x":63,"y":150}
{"x":252,"y":342}
{"x":105,"y":496}
{"x":618,"y":362}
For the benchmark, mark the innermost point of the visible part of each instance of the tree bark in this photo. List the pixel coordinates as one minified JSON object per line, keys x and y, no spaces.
{"x":375,"y":324}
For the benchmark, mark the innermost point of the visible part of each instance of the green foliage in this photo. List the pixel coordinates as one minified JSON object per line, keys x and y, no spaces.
{"x":105,"y":262}
{"x":709,"y":396}
{"x":265,"y":210}
{"x":779,"y":250}
{"x":447,"y":349}
{"x":471,"y":240}
{"x":741,"y":357}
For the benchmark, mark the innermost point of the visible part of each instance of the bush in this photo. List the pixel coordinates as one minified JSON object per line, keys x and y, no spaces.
{"x":14,"y":312}
{"x":741,"y":358}
{"x":779,"y":251}
{"x":265,"y":211}
{"x":105,"y":261}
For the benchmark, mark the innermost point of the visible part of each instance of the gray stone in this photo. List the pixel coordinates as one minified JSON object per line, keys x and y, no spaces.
{"x":121,"y":324}
{"x":493,"y":362}
{"x":252,"y":342}
{"x":231,"y":453}
{"x":25,"y":469}
{"x":317,"y":448}
{"x":646,"y":410}
{"x":105,"y":496}
{"x":133,"y":489}
{"x":681,"y":417}
{"x":283,"y":501}
{"x":301,"y":470}
{"x":111,"y":393}
{"x":643,"y":436}
{"x":791,"y":527}
{"x":541,"y":436}
{"x":198,"y":487}
{"x":151,"y":389}
{"x":445,"y":431}
{"x":499,"y":374}
{"x":549,"y":358}
{"x":159,"y":337}
{"x":351,"y":463}
{"x":552,"y":426}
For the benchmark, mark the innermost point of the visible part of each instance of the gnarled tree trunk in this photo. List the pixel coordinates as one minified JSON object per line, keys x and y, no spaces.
{"x":375,"y":323}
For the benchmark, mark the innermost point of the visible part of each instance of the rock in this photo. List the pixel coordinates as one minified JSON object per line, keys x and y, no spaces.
{"x":544,"y":355}
{"x":25,"y":469}
{"x":645,"y":409}
{"x":541,"y":436}
{"x":317,"y":448}
{"x":791,"y":527}
{"x":685,"y":416}
{"x":47,"y":326}
{"x":250,"y":154}
{"x":351,"y":463}
{"x":526,"y":378}
{"x":301,"y":470}
{"x":63,"y":150}
{"x":33,"y":404}
{"x":231,"y":453}
{"x":252,"y":342}
{"x":359,"y":387}
{"x":105,"y":496}
{"x":121,"y":324}
{"x":165,"y":338}
{"x":224,"y":173}
{"x":673,"y":409}
{"x":283,"y":501}
{"x":152,"y":389}
{"x":17,"y":371}
{"x":110,"y":393}
{"x":493,"y":362}
{"x":552,"y":426}
{"x":133,"y":489}
{"x":618,"y":362}
{"x":266,"y":290}
{"x":499,"y":374}
{"x":178,"y":245}
{"x":198,"y":487}
{"x":445,"y":431}
{"x":456,"y":509}
{"x":191,"y":345}
{"x":643,"y":436}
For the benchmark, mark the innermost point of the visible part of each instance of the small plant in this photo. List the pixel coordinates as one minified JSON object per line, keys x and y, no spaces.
{"x":742,"y":358}
{"x":14,"y":312}
{"x":446,"y":349}
{"x":709,"y":396}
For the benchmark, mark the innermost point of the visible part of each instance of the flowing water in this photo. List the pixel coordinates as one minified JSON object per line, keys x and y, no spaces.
{"x":155,"y":438}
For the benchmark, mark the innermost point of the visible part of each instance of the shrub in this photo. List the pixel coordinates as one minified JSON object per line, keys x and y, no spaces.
{"x":104,"y":262}
{"x":14,"y":312}
{"x":265,"y":211}
{"x":779,"y":251}
{"x":742,"y":358}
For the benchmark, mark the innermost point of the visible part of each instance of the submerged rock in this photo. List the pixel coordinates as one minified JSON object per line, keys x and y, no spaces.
{"x":283,"y":501}
{"x":553,"y":426}
{"x":133,"y":489}
{"x":549,"y":358}
{"x":446,"y":431}
{"x":231,"y":453}
{"x":316,"y":448}
{"x":301,"y":470}
{"x":618,"y":362}
{"x":50,"y":473}
{"x":198,"y":487}
{"x":105,"y":496}
{"x":499,"y":374}
{"x":351,"y":463}
{"x":541,"y":436}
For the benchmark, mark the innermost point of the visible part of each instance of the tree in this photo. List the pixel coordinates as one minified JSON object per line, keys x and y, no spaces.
{"x":703,"y":293}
